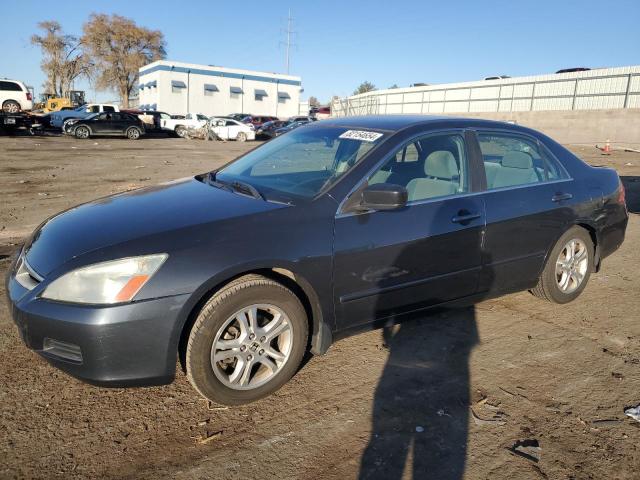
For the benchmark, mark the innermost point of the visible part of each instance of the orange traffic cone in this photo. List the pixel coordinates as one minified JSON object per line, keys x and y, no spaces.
{"x":607,"y":147}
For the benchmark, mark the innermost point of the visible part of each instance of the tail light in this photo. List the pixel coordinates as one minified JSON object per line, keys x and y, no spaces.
{"x":29,"y":96}
{"x":622,"y":195}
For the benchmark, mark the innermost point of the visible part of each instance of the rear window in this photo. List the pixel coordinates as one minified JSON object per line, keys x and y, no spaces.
{"x":11,"y":86}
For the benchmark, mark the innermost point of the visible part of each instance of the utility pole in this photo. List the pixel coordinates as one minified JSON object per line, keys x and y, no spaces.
{"x":288,"y":43}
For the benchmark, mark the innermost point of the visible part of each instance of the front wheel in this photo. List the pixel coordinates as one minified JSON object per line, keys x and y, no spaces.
{"x":82,"y":132}
{"x":181,"y":131}
{"x":568,"y":267}
{"x":242,"y":137}
{"x":247,"y":341}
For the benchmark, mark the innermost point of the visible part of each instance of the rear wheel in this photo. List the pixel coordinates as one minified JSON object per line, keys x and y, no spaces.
{"x":247,"y":341}
{"x":11,"y":106}
{"x":181,"y":131}
{"x":82,"y":132}
{"x":133,"y":133}
{"x":242,"y":137}
{"x":568,"y":267}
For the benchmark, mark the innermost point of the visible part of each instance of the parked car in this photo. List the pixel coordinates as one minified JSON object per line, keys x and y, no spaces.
{"x":574,"y":69}
{"x":302,"y":118}
{"x":57,"y":119}
{"x":10,"y":123}
{"x":335,"y":228}
{"x":180,"y":126}
{"x":229,"y":129}
{"x":258,"y":120}
{"x":106,"y":123}
{"x":14,"y":96}
{"x":268,"y":129}
{"x":287,"y":127}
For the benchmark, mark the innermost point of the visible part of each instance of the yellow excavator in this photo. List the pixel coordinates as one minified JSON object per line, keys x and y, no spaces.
{"x":49,"y":102}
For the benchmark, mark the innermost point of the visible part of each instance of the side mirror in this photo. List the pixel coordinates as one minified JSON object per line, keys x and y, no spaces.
{"x":384,"y":196}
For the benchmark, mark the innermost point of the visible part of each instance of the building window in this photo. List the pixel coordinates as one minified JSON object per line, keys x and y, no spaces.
{"x":177,"y":86}
{"x":283,"y":97}
{"x":259,"y":94}
{"x":235,"y":92}
{"x":210,"y":89}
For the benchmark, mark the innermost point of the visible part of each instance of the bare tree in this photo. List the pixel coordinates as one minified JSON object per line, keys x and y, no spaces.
{"x":365,"y":87}
{"x":313,"y":102}
{"x":119,"y":48}
{"x":63,"y":60}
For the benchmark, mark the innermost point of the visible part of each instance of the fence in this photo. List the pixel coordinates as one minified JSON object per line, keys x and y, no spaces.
{"x":589,"y":90}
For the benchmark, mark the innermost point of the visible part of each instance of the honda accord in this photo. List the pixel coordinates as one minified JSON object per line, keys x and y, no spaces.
{"x":336,"y":227}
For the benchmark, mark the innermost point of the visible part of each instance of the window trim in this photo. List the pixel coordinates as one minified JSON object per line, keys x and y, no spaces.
{"x":345,"y":208}
{"x":531,"y":138}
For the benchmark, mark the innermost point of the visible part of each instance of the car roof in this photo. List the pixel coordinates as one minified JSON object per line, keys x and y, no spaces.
{"x":394,"y":123}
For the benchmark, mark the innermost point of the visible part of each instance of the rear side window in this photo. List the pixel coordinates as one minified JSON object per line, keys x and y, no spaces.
{"x":513,"y":160}
{"x":11,"y":86}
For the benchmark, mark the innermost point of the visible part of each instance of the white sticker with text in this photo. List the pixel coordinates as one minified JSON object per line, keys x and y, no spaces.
{"x":362,"y":135}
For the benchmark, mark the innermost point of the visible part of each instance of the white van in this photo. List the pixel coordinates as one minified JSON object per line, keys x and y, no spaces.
{"x":14,"y":96}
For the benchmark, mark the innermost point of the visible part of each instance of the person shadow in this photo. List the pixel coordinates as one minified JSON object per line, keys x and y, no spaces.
{"x":421,"y":403}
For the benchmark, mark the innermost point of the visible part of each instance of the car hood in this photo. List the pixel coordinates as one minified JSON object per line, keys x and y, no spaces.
{"x":133,"y":215}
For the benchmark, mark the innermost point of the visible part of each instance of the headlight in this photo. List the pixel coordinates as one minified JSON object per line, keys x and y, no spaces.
{"x":105,"y":283}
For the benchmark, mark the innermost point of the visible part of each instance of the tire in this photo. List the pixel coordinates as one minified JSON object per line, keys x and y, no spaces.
{"x":11,"y":106}
{"x":564,"y":276}
{"x":181,"y":131}
{"x":224,"y":381}
{"x":241,"y":137}
{"x":82,"y":132}
{"x":133,"y":133}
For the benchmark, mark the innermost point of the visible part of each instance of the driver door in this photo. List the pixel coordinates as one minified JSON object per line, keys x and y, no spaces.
{"x":429,"y":252}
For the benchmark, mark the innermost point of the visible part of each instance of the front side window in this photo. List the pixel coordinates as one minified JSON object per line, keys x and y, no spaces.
{"x":513,"y":160}
{"x":93,"y":109}
{"x":429,"y":167}
{"x":303,"y":162}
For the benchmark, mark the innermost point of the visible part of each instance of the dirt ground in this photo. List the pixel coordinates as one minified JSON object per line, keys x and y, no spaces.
{"x":448,"y":396}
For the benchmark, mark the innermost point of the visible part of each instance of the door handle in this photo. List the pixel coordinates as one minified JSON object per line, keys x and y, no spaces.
{"x":558,"y":197}
{"x":464,"y":217}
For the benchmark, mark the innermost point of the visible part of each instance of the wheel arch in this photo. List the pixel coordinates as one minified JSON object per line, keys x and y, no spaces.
{"x":591,"y":229}
{"x":320,"y":337}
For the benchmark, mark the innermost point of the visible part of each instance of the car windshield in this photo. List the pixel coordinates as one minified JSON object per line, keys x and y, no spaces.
{"x":301,"y":163}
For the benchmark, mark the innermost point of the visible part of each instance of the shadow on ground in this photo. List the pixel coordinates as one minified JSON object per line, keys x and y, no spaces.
{"x":421,"y":405}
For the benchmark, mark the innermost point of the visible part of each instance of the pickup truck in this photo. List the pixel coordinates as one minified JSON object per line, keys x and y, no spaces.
{"x":57,"y":119}
{"x":181,"y":125}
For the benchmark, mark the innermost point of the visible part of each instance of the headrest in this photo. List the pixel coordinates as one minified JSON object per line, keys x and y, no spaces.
{"x":517,"y":160}
{"x":441,"y":164}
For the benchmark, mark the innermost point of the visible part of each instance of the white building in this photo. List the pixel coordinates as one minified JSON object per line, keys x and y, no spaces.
{"x":178,"y":88}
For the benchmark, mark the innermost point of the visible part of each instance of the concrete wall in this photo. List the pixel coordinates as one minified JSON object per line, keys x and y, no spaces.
{"x":603,"y":88}
{"x":620,"y":126}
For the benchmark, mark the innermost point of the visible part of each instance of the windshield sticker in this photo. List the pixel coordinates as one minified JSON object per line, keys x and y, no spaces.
{"x":361,"y":135}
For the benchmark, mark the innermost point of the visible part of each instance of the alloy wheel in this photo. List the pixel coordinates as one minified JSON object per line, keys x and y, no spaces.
{"x":572,"y":265}
{"x":252,"y":346}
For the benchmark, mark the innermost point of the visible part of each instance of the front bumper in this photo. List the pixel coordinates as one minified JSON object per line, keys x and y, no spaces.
{"x":131,"y":344}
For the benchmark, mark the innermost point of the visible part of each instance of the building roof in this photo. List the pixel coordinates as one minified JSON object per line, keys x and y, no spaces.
{"x":216,"y":71}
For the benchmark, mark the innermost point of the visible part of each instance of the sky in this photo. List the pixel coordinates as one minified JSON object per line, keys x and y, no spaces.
{"x":340,"y":44}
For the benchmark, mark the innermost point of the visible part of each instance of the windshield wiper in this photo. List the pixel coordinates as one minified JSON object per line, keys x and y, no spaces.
{"x":236,"y":186}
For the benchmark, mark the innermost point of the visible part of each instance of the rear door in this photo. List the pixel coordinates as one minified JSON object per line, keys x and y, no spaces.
{"x":529,"y":201}
{"x":392,"y":262}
